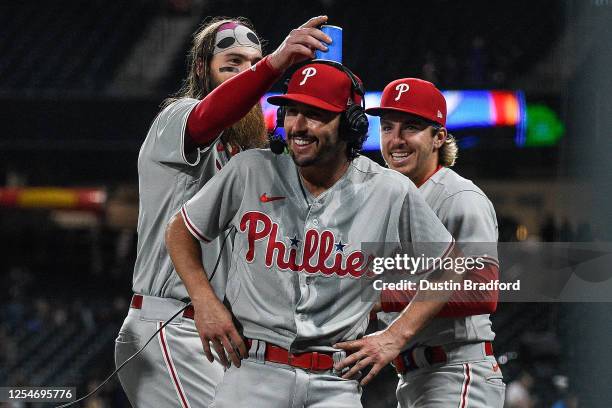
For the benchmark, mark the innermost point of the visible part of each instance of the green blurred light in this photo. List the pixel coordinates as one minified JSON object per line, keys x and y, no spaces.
{"x":543,"y":126}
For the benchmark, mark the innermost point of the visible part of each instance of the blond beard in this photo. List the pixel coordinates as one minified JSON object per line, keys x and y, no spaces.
{"x":249,"y":132}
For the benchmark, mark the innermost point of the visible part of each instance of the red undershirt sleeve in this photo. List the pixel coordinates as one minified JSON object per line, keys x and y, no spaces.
{"x":229,"y":102}
{"x":461,"y":303}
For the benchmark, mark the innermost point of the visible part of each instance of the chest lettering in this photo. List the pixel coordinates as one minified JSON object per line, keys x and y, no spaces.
{"x":318,"y":250}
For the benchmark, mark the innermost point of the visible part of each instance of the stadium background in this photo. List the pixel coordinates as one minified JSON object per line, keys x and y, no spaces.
{"x":80,"y":82}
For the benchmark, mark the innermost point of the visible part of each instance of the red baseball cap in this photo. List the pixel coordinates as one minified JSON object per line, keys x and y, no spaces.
{"x":415,"y":96}
{"x":320,"y":85}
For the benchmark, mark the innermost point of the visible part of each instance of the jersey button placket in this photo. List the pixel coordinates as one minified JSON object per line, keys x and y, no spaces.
{"x":304,"y":295}
{"x":304,"y":279}
{"x":316,"y":213}
{"x":303,"y":283}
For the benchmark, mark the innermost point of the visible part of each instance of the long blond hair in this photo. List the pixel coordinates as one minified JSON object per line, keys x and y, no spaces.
{"x":202,"y":48}
{"x":448,"y":152}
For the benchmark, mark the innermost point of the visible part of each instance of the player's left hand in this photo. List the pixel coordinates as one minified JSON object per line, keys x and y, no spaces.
{"x":376,"y":350}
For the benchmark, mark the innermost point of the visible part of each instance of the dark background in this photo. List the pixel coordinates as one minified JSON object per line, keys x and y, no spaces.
{"x":77,"y":96}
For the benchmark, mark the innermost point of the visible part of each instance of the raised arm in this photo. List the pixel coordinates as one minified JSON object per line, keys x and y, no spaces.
{"x":233,"y":99}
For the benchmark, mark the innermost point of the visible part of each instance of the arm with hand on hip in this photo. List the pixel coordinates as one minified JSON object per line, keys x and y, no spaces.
{"x":380,"y":348}
{"x":213,"y":320}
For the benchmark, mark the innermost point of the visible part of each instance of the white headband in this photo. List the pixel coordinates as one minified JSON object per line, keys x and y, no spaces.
{"x":232,"y":35}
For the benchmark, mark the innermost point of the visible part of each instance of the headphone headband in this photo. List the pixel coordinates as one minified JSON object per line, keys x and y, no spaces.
{"x":353,"y":118}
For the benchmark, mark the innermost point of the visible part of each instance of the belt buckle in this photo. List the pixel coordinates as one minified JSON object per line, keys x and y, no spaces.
{"x":290,"y":358}
{"x":301,"y":360}
{"x":428,"y":353}
{"x":294,"y":360}
{"x":314,"y":360}
{"x":408,"y":360}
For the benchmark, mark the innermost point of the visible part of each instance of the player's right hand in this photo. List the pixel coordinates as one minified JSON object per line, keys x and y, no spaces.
{"x":214,"y":324}
{"x":300,"y":44}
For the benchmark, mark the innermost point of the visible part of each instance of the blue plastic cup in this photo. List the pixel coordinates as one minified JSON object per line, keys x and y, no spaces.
{"x":334,"y":52}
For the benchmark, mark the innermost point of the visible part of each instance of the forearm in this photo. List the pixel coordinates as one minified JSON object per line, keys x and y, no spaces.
{"x":186,"y":255}
{"x":474,"y":302}
{"x":462,"y":303}
{"x":229,"y":102}
{"x":382,"y":347}
{"x":426,"y":305}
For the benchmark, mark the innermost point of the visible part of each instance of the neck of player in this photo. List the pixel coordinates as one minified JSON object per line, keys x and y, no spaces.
{"x":320,"y":177}
{"x":428,"y":170}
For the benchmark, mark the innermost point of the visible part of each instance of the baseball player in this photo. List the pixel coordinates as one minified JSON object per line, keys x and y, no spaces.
{"x":449,"y":363}
{"x":296,"y":285}
{"x":215,"y":115}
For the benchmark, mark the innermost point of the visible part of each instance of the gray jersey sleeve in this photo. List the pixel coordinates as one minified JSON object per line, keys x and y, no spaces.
{"x":214,"y":207}
{"x":470,"y":217}
{"x":421,"y":232}
{"x":172,"y":121}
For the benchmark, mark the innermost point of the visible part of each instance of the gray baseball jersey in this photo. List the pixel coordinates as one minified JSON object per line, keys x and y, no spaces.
{"x":173,"y":372}
{"x":469,"y":216}
{"x":168,"y":177}
{"x":297,"y":262}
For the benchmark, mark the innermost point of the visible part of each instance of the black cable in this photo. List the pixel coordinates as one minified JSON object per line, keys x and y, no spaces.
{"x":126,"y":361}
{"x":212,"y":275}
{"x":154,"y":334}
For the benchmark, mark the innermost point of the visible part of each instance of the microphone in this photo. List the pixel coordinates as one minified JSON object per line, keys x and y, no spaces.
{"x":277,"y":144}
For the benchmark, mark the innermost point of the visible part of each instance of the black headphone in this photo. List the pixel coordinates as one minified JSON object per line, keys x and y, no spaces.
{"x":353,"y":119}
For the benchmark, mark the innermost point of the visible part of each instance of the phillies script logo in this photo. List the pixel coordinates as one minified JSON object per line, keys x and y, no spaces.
{"x":308,"y":72}
{"x":318,"y":247}
{"x":401,"y":88}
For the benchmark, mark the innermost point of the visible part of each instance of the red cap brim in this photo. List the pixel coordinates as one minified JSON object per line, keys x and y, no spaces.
{"x":380,"y":110}
{"x":281,"y":100}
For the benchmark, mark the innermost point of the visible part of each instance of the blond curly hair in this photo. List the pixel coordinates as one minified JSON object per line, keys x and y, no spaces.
{"x":448,"y":152}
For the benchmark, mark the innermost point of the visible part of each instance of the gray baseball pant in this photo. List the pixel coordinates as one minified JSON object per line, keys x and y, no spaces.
{"x":172,"y":370}
{"x":262,"y":384}
{"x":470,"y":378}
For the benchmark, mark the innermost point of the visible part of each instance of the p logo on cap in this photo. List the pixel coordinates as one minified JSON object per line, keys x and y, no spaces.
{"x":424,"y":100}
{"x":321,"y":85}
{"x":401,"y":88}
{"x":308,"y":72}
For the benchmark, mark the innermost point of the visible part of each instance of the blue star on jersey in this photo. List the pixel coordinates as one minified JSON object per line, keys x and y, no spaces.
{"x":340,"y":246}
{"x":295,"y":241}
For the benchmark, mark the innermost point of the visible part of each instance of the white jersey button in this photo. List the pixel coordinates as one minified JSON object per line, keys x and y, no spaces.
{"x":315,"y":222}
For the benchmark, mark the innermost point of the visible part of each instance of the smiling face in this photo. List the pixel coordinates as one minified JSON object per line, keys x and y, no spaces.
{"x":312,"y":135}
{"x":410,"y":144}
